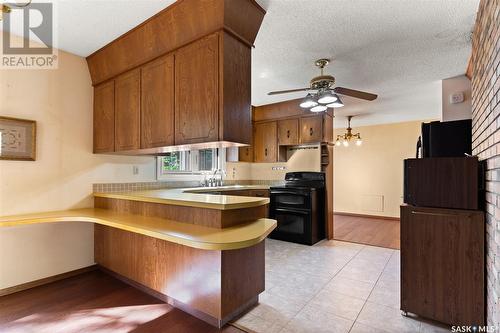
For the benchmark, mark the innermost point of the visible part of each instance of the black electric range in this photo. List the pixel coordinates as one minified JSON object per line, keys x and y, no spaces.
{"x":299,"y":208}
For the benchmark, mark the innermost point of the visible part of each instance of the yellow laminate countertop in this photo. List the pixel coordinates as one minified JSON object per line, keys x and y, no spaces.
{"x":237,"y":237}
{"x":193,"y":198}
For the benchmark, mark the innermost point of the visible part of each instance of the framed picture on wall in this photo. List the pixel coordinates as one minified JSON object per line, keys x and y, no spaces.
{"x":17,"y":139}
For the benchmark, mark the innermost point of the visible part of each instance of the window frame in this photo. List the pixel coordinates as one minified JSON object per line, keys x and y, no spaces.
{"x":218,"y":159}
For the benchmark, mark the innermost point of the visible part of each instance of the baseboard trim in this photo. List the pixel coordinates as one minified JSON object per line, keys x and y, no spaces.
{"x":47,"y":280}
{"x":391,"y":218}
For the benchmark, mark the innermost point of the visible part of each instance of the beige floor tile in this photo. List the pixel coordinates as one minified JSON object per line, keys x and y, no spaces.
{"x":277,"y":309}
{"x":314,"y":319}
{"x":350,"y":287}
{"x":387,"y":318}
{"x":259,"y":325}
{"x":368,"y":274}
{"x":360,"y":328}
{"x":338,"y":304}
{"x":428,"y":326}
{"x":385,"y":294}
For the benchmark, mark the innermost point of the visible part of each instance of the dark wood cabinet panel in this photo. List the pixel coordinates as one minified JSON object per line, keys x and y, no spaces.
{"x":196,"y":92}
{"x":288,"y":132}
{"x":127,"y":111}
{"x":442,"y":264}
{"x":157,"y":103}
{"x":266,"y":142}
{"x":245,"y":154}
{"x":104,"y":117}
{"x":311,"y":129}
{"x":446,"y":182}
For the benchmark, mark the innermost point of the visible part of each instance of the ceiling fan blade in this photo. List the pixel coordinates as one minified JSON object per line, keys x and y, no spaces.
{"x":355,"y":93}
{"x":287,"y":91}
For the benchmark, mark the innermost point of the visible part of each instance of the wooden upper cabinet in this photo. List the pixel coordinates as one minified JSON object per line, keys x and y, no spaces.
{"x":104,"y":117}
{"x":311,"y":129}
{"x":157,"y":103}
{"x":266,"y":142}
{"x":127,"y":111}
{"x":245,"y":154}
{"x":197,"y":92}
{"x":288,"y":132}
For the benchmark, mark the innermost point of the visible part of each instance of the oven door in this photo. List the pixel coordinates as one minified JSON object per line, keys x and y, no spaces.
{"x":293,"y":225}
{"x":290,"y":199}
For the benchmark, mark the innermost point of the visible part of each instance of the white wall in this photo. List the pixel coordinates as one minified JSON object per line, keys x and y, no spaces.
{"x":369,"y":179}
{"x":461,"y":110}
{"x":61,"y":177}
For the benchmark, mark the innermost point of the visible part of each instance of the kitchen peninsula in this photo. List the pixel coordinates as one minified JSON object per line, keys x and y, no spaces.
{"x":203,"y":253}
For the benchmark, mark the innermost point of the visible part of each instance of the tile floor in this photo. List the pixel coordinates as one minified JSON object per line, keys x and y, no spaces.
{"x":332,"y":287}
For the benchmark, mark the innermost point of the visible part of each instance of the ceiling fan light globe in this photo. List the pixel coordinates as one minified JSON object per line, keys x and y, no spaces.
{"x":319,"y":108}
{"x":327,"y":97}
{"x":337,"y":104}
{"x":308,"y":102}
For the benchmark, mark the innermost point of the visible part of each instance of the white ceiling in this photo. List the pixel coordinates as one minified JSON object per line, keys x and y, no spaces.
{"x":398,"y":49}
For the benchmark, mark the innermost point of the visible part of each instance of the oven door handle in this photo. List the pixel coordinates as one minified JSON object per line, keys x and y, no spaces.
{"x":290,"y":193}
{"x":293,"y":211}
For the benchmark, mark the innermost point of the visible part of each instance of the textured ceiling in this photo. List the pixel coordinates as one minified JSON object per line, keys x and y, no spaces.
{"x":398,"y":49}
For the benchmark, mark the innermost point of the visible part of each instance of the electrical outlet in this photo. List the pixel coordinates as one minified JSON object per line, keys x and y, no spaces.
{"x":278,"y":168}
{"x":135,"y":170}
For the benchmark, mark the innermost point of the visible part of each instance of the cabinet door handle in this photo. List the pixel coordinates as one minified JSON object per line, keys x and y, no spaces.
{"x":311,"y":131}
{"x":288,"y":134}
{"x":265,"y":151}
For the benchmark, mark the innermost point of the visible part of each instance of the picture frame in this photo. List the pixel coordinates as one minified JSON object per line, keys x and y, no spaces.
{"x":17,"y":139}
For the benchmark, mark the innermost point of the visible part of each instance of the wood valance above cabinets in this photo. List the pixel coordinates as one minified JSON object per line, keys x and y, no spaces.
{"x":179,"y":87}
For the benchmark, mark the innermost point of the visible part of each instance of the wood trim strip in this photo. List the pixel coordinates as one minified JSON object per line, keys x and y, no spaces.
{"x":391,"y":218}
{"x":46,"y":280}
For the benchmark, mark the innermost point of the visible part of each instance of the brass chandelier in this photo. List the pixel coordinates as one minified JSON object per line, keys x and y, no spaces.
{"x":348,"y":136}
{"x":6,"y":9}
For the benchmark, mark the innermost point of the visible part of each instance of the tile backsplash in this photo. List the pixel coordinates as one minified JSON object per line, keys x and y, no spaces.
{"x":142,"y":186}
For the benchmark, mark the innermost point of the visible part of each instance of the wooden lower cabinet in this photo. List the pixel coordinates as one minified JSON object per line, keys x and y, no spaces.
{"x":214,"y":286}
{"x":443,"y":264}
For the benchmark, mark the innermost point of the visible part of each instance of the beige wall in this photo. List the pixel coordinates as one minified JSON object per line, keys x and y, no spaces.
{"x":460,"y":110}
{"x":299,"y":160}
{"x":61,"y":177}
{"x":369,"y":179}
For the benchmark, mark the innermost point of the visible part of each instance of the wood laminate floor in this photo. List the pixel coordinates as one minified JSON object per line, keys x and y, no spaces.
{"x":94,"y":302}
{"x":367,"y":230}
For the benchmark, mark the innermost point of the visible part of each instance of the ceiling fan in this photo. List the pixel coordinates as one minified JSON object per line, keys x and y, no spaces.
{"x":325,"y":94}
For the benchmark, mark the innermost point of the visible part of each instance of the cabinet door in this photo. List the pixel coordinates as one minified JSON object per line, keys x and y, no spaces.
{"x":442,"y":264}
{"x":196,"y":92}
{"x":311,"y":129}
{"x":104,"y":117}
{"x":266,"y":142}
{"x":127,"y":111}
{"x":245,"y":154}
{"x":288,"y":132}
{"x":157,"y":103}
